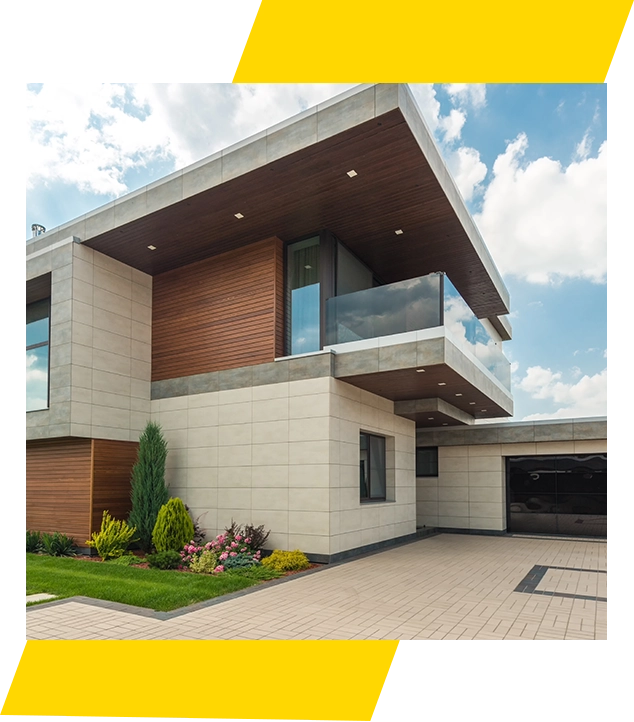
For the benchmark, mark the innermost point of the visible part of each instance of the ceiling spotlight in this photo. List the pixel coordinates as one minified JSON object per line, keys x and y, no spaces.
{"x":441,"y":383}
{"x":420,"y":371}
{"x":399,"y":232}
{"x":445,"y":424}
{"x":472,"y":403}
{"x":152,"y":248}
{"x":430,"y":418}
{"x":458,"y":394}
{"x":308,"y":266}
{"x":352,"y":173}
{"x":238,"y":215}
{"x":483,"y":411}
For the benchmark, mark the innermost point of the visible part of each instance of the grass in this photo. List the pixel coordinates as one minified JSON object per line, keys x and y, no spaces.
{"x":152,"y":588}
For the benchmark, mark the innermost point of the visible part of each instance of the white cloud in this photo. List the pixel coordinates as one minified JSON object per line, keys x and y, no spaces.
{"x":584,"y":146}
{"x":90,"y":135}
{"x":463,"y":162}
{"x":585,"y":397}
{"x":465,"y":94}
{"x":545,"y":222}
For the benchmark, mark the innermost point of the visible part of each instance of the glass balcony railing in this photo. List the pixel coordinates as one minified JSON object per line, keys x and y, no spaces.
{"x":471,"y":335}
{"x":412,"y":305}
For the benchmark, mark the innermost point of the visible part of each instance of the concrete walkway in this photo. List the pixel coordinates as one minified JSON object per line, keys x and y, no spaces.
{"x":444,"y":587}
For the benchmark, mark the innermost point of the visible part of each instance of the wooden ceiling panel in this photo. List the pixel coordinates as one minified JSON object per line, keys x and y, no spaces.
{"x":310,"y":190}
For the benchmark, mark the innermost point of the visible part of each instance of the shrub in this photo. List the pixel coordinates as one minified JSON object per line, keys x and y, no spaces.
{"x":173,"y":528}
{"x":204,"y":563}
{"x":127,"y":560}
{"x":240,"y":561}
{"x":148,"y":493}
{"x":254,"y":537}
{"x":112,"y":539}
{"x":34,"y":542}
{"x":168,"y":559}
{"x":286,"y":561}
{"x":199,"y":535}
{"x":59,"y":545}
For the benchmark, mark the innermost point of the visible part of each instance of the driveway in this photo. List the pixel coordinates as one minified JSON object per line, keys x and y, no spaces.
{"x":449,"y":586}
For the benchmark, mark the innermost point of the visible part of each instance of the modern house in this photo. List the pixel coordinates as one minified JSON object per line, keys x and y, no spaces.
{"x":299,"y":312}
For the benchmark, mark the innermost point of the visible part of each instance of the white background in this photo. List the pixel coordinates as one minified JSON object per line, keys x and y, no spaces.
{"x":202,"y":42}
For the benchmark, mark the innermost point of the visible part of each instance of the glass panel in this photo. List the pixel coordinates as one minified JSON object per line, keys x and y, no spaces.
{"x":37,"y":322}
{"x":364,"y":468}
{"x":427,"y":461}
{"x":467,"y":330}
{"x":303,"y":270}
{"x":377,"y":467}
{"x":37,"y":378}
{"x":352,"y":275}
{"x":385,"y":310}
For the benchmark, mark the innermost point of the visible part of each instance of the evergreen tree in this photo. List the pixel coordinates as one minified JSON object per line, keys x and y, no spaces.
{"x":148,"y":492}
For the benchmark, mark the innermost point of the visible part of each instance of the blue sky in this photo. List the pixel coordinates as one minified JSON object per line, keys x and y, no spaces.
{"x":530,"y":161}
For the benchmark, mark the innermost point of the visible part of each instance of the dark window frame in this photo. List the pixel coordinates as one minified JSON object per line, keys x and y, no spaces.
{"x":434,"y":463}
{"x":370,"y":498}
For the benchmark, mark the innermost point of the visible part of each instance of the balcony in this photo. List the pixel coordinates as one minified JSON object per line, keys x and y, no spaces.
{"x":416,"y":304}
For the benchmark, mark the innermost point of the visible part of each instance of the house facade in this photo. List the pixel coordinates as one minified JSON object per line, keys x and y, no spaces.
{"x":293,"y":311}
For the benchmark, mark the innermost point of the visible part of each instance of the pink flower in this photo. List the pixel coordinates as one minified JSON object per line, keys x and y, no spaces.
{"x":219,"y":568}
{"x":223,"y":556}
{"x":233,"y":554}
{"x":247,"y":540}
{"x":238,"y":537}
{"x":233,"y":544}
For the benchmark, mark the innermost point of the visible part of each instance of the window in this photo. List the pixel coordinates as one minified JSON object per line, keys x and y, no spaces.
{"x":37,"y":338}
{"x":372,"y":467}
{"x":427,"y":461}
{"x":305,"y":302}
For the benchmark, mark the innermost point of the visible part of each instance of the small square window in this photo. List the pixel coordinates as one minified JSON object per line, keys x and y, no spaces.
{"x":427,"y":461}
{"x":372,"y":467}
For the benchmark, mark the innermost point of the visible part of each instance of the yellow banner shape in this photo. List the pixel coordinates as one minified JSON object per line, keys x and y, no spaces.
{"x":313,"y":680}
{"x":412,"y":41}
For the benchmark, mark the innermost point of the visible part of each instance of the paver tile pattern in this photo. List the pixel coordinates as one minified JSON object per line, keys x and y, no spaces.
{"x":448,"y":586}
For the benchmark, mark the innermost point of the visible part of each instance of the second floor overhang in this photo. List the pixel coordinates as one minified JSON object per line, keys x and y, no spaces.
{"x":363,"y":165}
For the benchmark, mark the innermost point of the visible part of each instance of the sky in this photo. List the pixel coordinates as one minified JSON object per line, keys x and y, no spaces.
{"x":529,"y":160}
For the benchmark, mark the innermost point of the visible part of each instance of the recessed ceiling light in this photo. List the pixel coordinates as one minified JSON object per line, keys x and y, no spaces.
{"x":399,"y":232}
{"x":483,"y":411}
{"x":441,"y":383}
{"x":420,"y":371}
{"x":458,"y":394}
{"x":430,"y":418}
{"x":352,"y":173}
{"x":308,"y":266}
{"x":445,"y":424}
{"x":152,"y":248}
{"x":238,"y":215}
{"x":472,"y":403}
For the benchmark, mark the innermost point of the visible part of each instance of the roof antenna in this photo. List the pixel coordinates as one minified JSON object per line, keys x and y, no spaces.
{"x":37,"y":230}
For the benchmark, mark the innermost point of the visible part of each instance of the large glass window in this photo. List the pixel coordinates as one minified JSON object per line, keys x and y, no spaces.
{"x":372,"y":467}
{"x":304,"y":288}
{"x":37,"y":345}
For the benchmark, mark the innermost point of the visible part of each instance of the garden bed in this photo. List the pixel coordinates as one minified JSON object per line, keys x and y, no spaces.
{"x":160,"y":590}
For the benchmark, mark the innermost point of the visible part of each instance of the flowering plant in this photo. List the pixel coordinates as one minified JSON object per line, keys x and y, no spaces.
{"x":225,"y":549}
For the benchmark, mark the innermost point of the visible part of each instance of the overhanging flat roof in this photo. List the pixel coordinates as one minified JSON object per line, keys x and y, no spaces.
{"x":292,"y":180}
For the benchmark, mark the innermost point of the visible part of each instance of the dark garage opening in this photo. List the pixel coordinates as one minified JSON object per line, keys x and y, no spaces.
{"x":562,"y":494}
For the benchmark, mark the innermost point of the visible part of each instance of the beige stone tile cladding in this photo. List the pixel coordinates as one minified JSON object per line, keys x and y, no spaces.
{"x":101,"y":316}
{"x":286,"y":455}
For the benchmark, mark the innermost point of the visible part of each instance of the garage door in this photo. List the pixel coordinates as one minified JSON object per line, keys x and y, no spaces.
{"x":563,"y":494}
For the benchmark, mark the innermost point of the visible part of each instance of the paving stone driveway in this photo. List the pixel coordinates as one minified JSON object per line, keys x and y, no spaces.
{"x":443,"y":587}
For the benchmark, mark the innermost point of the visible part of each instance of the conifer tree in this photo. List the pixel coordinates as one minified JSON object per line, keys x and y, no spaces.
{"x":148,"y":493}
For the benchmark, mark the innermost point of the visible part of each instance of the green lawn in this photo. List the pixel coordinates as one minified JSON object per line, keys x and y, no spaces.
{"x":153,"y":588}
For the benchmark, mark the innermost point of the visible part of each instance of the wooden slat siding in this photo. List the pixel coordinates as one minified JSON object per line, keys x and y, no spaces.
{"x":220,"y":313}
{"x":112,"y":467}
{"x":58,"y":487}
